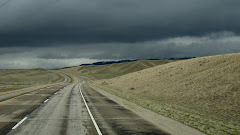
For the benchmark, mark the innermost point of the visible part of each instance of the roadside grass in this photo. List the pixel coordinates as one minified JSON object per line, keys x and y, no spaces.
{"x":203,"y":93}
{"x":4,"y":88}
{"x":192,"y":118}
{"x":13,"y":79}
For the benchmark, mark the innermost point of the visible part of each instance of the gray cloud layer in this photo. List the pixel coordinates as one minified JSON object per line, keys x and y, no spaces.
{"x":54,"y":33}
{"x":50,"y":22}
{"x":69,"y":55}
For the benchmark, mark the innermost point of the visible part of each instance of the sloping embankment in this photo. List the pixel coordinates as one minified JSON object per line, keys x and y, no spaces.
{"x":203,"y":93}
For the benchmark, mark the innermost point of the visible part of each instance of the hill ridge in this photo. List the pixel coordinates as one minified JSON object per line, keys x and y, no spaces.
{"x":201,"y":92}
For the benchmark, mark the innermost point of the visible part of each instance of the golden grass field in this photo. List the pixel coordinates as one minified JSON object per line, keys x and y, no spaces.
{"x":13,"y":79}
{"x":113,"y":70}
{"x":203,"y":93}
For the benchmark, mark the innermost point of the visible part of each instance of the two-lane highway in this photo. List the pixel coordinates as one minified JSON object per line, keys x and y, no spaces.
{"x":66,"y":113}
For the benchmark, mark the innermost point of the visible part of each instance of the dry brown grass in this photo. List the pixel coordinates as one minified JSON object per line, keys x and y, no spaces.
{"x":113,"y":70}
{"x":12,"y":79}
{"x":203,"y":93}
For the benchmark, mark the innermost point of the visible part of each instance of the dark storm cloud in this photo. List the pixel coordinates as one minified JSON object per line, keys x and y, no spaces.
{"x":61,"y":56}
{"x":57,"y":33}
{"x":54,"y":22}
{"x":46,"y":57}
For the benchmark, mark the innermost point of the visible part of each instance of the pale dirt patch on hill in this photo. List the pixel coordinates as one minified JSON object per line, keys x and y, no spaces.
{"x":203,"y":93}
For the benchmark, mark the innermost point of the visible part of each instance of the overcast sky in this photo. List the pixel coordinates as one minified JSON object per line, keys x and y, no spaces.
{"x":58,"y":33}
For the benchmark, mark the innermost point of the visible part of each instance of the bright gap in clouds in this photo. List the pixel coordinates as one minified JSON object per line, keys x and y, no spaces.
{"x":21,"y":63}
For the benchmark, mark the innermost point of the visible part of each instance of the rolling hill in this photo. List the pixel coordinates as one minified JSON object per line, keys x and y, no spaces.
{"x":203,"y":93}
{"x":98,"y":72}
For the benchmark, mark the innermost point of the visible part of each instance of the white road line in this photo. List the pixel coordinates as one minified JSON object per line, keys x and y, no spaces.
{"x":46,"y":100}
{"x":20,"y":122}
{"x":55,"y":93}
{"x":93,"y":120}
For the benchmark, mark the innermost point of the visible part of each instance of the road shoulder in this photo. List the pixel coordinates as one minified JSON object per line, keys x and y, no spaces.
{"x":166,"y":124}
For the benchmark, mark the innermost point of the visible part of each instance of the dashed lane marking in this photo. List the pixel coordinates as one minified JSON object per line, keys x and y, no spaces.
{"x":20,"y":122}
{"x":46,"y":100}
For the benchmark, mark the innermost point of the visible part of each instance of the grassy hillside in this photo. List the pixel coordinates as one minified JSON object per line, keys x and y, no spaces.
{"x":98,"y":72}
{"x":203,"y":93}
{"x":11,"y":79}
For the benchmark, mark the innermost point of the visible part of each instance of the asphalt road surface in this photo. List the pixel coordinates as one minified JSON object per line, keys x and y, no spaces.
{"x":14,"y":109}
{"x":114,"y":119}
{"x":66,"y":113}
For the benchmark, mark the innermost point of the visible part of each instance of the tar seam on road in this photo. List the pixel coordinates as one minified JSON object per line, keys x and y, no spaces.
{"x":93,"y":120}
{"x":20,"y":122}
